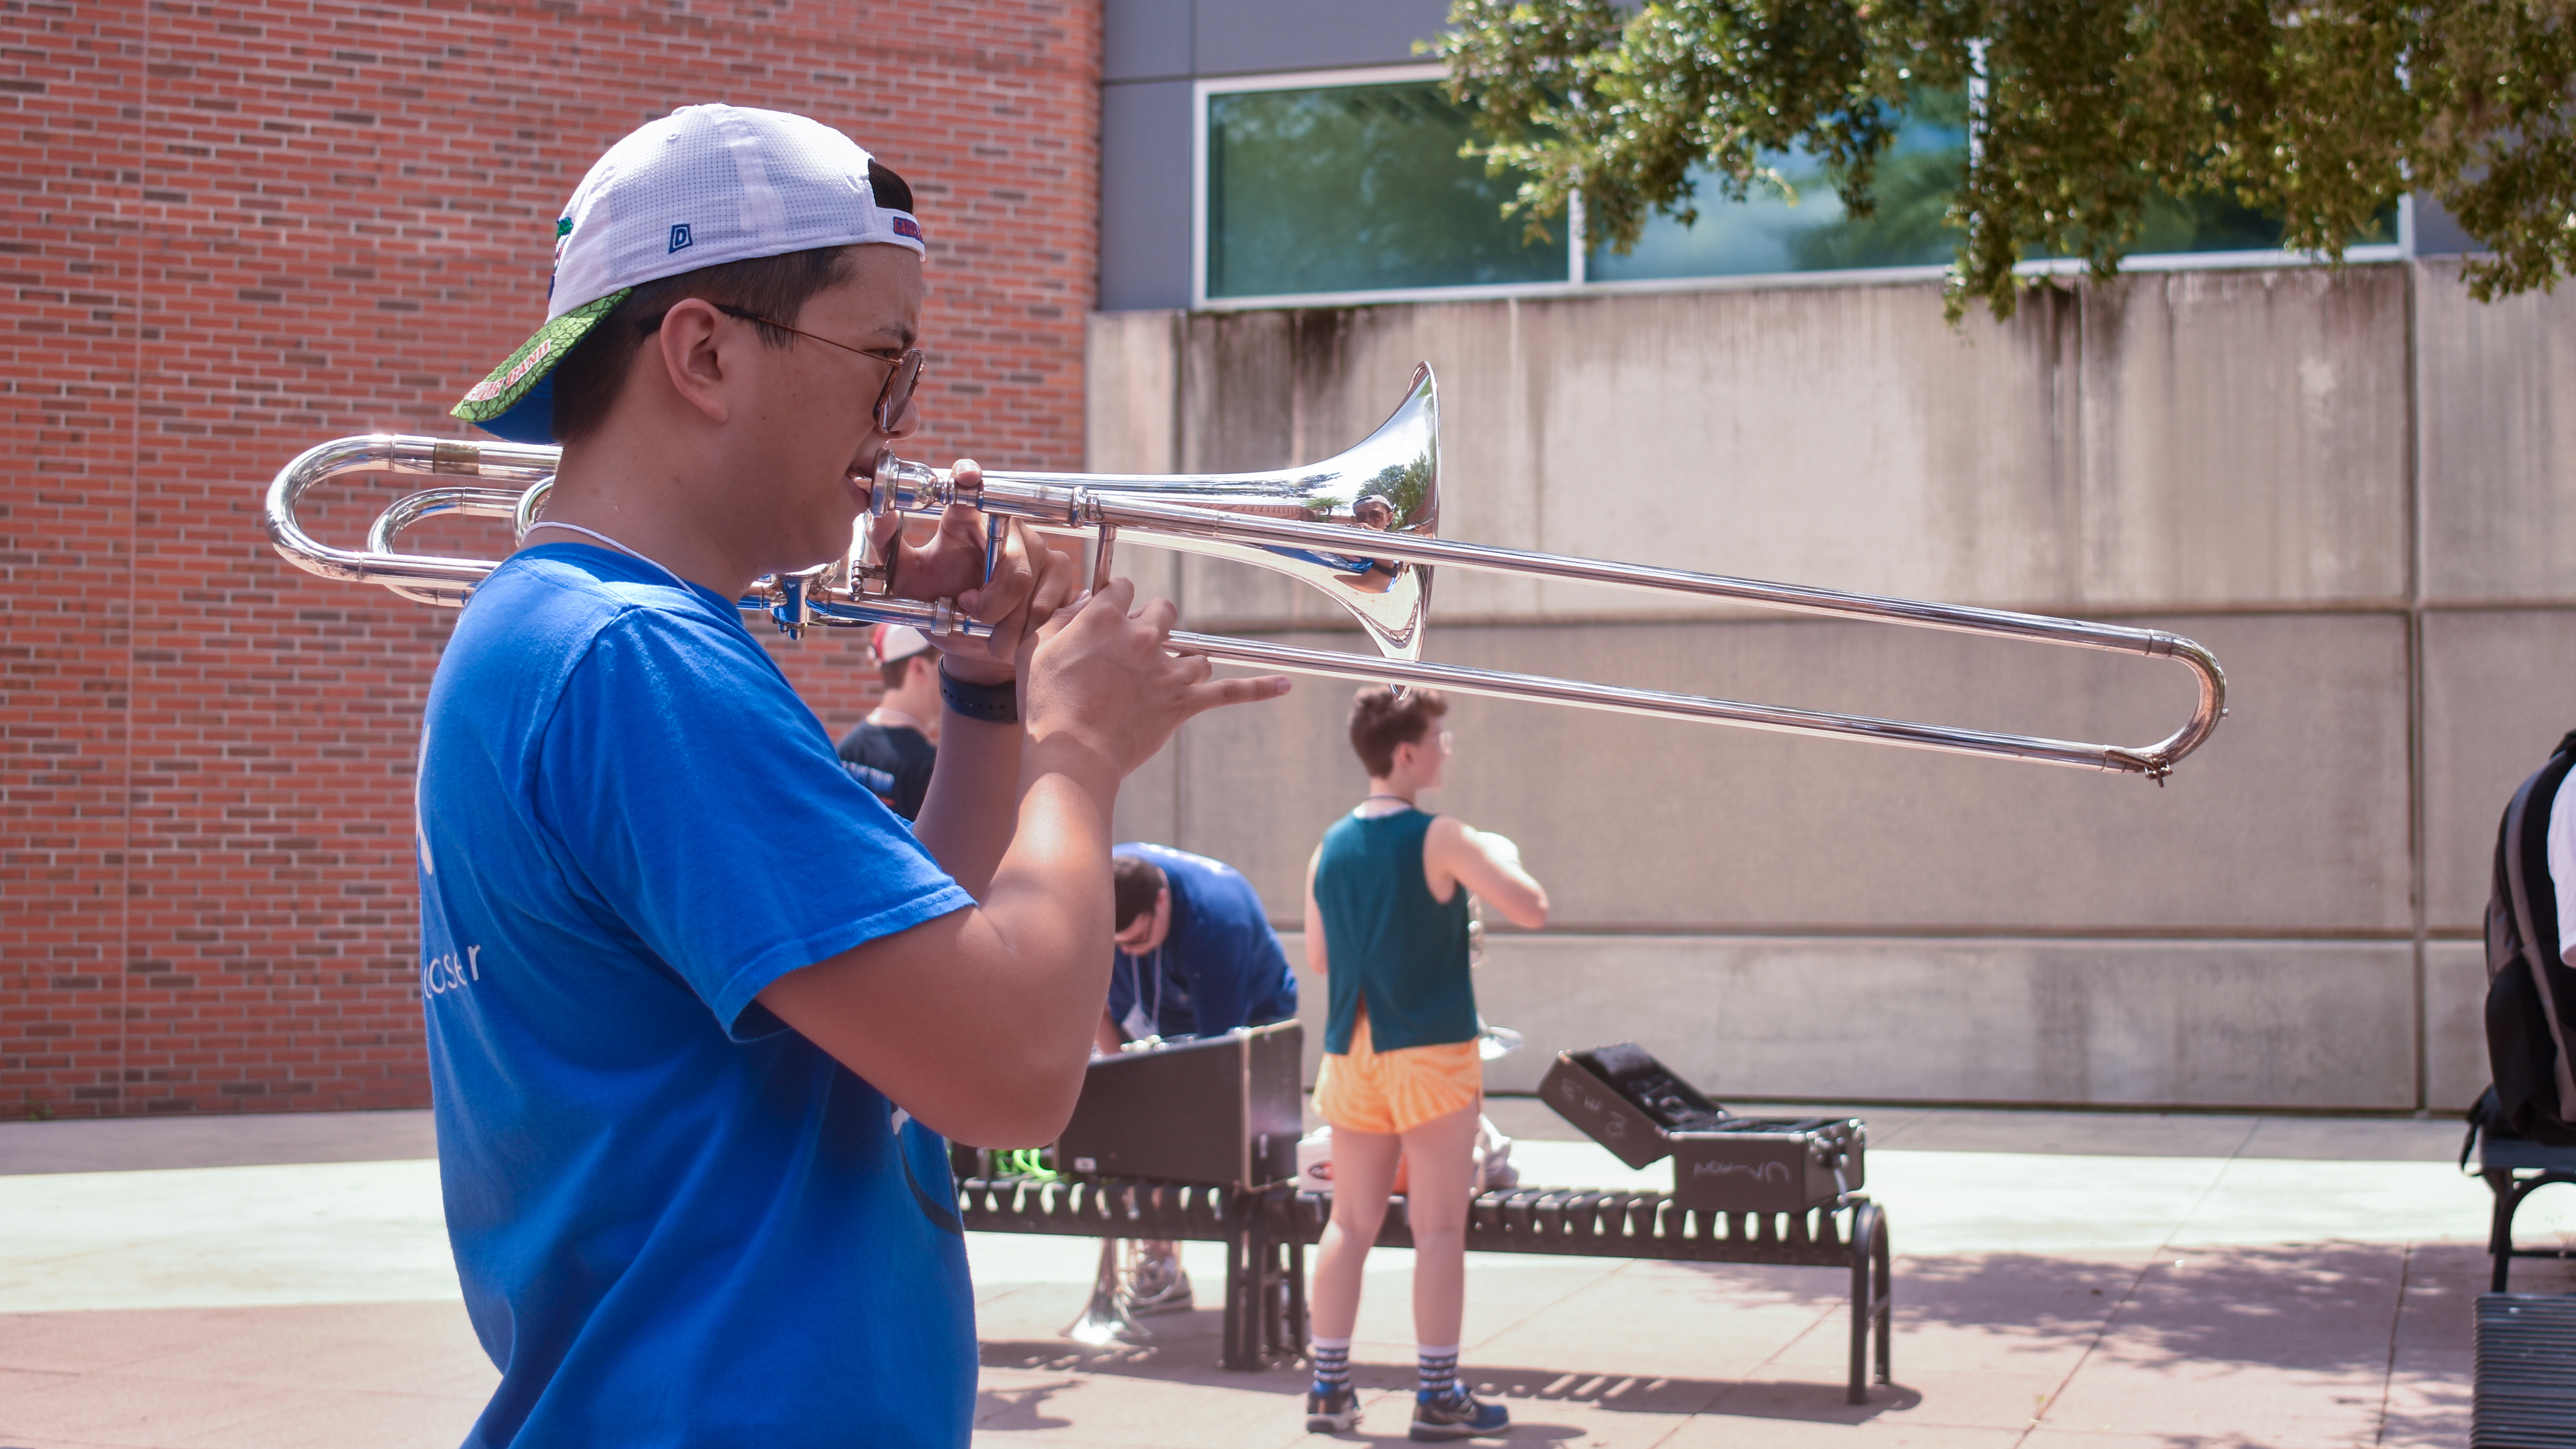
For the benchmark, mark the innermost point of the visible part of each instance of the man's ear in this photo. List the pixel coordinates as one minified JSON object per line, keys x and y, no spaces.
{"x":693,"y":362}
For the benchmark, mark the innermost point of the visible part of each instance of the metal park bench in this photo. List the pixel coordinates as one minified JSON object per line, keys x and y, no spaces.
{"x":2523,"y":1387}
{"x":2514,"y":1169}
{"x":1266,"y":1232}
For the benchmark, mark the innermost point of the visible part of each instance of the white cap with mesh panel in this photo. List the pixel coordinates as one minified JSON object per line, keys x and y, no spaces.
{"x":702,"y":186}
{"x":898,"y":641}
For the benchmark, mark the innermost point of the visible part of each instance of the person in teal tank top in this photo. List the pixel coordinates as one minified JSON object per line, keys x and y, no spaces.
{"x":1386,"y":924}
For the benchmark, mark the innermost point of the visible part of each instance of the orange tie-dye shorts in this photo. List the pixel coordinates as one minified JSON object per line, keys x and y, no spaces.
{"x":1394,"y":1092}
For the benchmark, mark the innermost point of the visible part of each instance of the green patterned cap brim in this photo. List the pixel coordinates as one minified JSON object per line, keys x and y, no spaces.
{"x":511,"y":382}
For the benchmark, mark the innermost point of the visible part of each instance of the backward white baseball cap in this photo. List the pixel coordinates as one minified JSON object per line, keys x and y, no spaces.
{"x":898,"y":641}
{"x":697,"y":188}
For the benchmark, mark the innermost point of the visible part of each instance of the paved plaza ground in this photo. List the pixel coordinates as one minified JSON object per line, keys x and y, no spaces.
{"x":2064,"y":1281}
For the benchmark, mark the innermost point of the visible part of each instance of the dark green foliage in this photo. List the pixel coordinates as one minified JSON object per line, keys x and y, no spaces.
{"x":2093,"y":125}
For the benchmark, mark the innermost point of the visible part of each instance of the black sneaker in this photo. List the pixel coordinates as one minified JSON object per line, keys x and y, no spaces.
{"x":1456,"y":1415}
{"x":1333,"y":1411}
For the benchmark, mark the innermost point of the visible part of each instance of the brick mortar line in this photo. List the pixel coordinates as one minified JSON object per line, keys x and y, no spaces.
{"x":133,"y":573}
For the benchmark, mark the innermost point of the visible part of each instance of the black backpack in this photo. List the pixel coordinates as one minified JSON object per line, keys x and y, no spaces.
{"x":2531,"y":991}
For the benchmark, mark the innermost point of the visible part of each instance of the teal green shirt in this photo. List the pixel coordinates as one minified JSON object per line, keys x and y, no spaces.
{"x":1386,"y":941}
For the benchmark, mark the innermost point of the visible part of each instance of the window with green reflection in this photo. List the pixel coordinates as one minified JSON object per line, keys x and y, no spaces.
{"x":1766,"y":233}
{"x":1354,"y":189}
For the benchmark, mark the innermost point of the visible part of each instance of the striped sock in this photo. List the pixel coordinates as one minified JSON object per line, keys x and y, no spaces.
{"x":1332,"y":1358}
{"x":1438,"y":1371}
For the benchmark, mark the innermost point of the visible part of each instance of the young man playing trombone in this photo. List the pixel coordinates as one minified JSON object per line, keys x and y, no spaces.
{"x":692,"y":1030}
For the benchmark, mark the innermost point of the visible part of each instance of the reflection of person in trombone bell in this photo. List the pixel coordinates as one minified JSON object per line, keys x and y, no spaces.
{"x":1372,"y":575}
{"x":1365,"y":575}
{"x":1196,"y":957}
{"x":1387,"y":922}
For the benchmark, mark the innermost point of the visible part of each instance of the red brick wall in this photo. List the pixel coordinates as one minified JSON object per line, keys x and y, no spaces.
{"x":230,"y":231}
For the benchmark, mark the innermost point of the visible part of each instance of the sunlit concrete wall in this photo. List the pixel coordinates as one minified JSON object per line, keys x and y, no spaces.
{"x":2356,"y":487}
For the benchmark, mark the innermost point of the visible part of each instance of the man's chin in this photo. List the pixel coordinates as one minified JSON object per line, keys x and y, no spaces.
{"x":809,"y":552}
{"x":837,"y":531}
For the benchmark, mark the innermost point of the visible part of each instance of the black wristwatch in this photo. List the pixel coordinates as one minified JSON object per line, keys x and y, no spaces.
{"x":991,"y":703}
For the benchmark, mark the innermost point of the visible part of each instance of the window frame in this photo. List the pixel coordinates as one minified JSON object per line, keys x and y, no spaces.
{"x":1203,"y":90}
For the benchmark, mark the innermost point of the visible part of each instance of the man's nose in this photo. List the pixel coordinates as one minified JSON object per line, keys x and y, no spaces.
{"x":910,"y":421}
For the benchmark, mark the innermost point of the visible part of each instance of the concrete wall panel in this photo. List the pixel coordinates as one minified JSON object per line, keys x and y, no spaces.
{"x":2096,"y":1023}
{"x":2496,"y":382}
{"x":2294,"y":817}
{"x":2168,"y":441}
{"x":1589,"y":428}
{"x":1715,"y":431}
{"x":2455,"y":1026}
{"x":1132,"y":427}
{"x":2245,"y":437}
{"x":2499,"y":690}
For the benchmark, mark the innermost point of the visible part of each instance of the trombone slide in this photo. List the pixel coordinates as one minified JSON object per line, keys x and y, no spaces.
{"x":1362,"y":526}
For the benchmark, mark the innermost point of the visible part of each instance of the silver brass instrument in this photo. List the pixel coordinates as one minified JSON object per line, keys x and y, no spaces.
{"x":1105,"y":1318}
{"x":1363,"y":527}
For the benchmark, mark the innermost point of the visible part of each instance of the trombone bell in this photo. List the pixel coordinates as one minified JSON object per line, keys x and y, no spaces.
{"x":1347,"y":509}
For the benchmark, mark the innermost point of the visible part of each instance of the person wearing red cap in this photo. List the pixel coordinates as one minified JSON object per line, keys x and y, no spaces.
{"x":893,"y":749}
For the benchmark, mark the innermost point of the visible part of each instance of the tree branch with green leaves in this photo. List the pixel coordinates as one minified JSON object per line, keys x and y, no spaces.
{"x":2081,"y":115}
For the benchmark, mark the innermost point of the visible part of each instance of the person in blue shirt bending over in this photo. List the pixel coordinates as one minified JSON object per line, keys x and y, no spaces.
{"x":698,"y":1006}
{"x":1196,"y":957}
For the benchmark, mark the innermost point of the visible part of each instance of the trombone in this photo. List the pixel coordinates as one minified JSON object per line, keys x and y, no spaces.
{"x":1363,"y":527}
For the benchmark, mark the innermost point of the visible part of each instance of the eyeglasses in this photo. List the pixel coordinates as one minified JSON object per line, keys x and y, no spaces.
{"x":892,"y":398}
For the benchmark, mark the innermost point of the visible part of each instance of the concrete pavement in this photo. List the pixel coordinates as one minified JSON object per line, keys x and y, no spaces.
{"x":2065,"y":1281}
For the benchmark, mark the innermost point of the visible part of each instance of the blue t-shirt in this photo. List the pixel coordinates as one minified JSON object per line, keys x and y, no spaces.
{"x":675,"y":1220}
{"x":1220,"y":967}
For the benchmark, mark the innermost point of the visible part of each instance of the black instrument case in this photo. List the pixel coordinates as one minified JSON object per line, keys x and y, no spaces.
{"x":1643,"y":1111}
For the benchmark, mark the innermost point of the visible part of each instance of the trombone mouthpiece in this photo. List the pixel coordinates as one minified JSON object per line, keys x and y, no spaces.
{"x":901,"y":486}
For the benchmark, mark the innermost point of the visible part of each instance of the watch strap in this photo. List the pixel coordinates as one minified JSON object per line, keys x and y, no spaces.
{"x":990,"y":703}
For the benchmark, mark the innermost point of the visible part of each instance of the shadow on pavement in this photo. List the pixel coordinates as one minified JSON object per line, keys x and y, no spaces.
{"x":1521,"y":1432}
{"x":2315,"y":1323}
{"x":1190,"y":1357}
{"x":2320,"y":1307}
{"x":1020,"y":1409}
